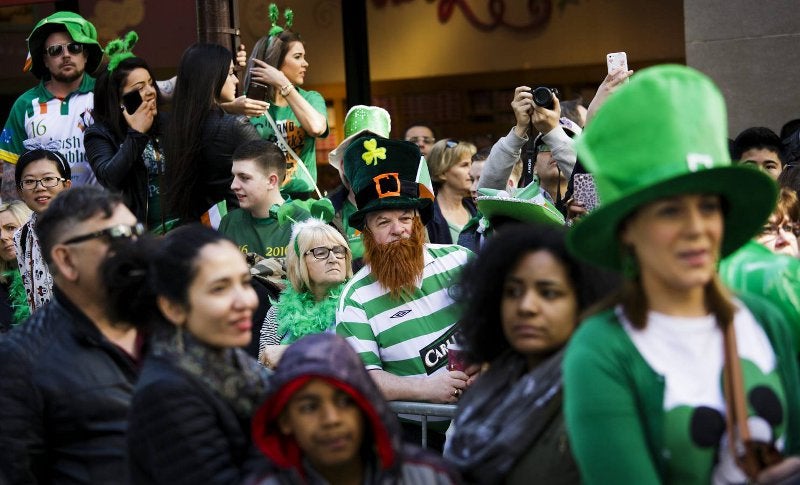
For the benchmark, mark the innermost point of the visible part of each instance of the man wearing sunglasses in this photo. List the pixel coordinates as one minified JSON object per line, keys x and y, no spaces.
{"x":69,"y":371}
{"x":63,"y":51}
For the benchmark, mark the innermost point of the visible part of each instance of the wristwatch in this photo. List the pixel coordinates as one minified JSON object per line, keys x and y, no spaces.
{"x":286,"y":89}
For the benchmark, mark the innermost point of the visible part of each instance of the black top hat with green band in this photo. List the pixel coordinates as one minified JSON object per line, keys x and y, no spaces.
{"x":661,"y":135}
{"x":385,"y":175}
{"x":81,"y":30}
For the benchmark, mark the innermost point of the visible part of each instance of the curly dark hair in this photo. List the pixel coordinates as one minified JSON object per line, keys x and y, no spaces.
{"x":481,"y":285}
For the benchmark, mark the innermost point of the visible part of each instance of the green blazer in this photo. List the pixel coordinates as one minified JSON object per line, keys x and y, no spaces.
{"x":614,"y":399}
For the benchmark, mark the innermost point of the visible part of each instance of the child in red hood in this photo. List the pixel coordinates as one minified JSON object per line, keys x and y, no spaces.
{"x":325,"y":421}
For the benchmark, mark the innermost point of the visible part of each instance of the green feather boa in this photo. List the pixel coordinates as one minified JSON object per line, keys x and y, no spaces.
{"x":300,"y":315}
{"x":17,"y":297}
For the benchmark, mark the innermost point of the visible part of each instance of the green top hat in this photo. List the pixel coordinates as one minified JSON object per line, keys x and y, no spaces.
{"x":81,"y":31}
{"x":386,"y":175}
{"x":664,"y":134}
{"x":360,"y":120}
{"x":525,"y":205}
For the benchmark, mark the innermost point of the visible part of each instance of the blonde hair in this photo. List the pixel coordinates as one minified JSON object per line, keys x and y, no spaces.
{"x":307,"y":235}
{"x":788,"y":205}
{"x":21,"y":213}
{"x":442,"y":158}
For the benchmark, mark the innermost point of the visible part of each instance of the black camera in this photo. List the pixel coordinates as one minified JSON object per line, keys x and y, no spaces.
{"x":543,"y":97}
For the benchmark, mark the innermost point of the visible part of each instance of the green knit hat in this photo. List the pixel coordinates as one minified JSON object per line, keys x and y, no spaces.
{"x":387,"y":175}
{"x":81,"y":31}
{"x":664,"y":134}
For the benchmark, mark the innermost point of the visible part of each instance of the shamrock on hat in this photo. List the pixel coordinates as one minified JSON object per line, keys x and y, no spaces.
{"x":387,"y":175}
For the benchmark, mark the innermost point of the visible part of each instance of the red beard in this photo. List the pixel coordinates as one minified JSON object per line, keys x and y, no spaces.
{"x":397,"y":265}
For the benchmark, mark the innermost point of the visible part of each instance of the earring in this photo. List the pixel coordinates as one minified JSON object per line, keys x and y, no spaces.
{"x":630,"y":267}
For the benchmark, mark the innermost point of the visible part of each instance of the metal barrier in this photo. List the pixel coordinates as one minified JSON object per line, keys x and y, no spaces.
{"x":423,"y":409}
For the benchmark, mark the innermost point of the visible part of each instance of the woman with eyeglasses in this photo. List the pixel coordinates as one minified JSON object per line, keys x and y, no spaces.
{"x":779,"y":234}
{"x":449,"y":165}
{"x":125,"y":143}
{"x":201,"y":137}
{"x":318,"y":263}
{"x":13,"y":302}
{"x":191,"y":292}
{"x":40,"y":175}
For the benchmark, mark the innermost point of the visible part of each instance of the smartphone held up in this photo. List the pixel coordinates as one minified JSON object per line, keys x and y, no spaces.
{"x":131,"y":101}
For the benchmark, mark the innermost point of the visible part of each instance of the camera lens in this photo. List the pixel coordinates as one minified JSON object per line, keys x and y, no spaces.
{"x":543,"y":97}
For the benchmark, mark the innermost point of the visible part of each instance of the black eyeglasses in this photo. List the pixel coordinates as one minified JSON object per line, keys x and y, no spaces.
{"x":113,"y":233}
{"x":56,"y":50}
{"x":339,"y":252}
{"x":47,"y":182}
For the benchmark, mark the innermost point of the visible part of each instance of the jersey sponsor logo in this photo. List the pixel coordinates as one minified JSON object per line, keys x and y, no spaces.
{"x":434,"y":356}
{"x":401,"y":313}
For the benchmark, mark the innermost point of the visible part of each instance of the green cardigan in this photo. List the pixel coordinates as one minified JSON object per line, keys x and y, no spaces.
{"x":614,"y":399}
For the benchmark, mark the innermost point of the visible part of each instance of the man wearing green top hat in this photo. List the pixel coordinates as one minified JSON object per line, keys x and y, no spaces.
{"x":397,"y":312}
{"x":63,"y":50}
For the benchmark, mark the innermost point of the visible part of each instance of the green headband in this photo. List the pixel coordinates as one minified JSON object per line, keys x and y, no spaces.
{"x":274,"y":14}
{"x":120,"y":49}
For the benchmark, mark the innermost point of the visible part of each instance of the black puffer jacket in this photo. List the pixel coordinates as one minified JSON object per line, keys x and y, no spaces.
{"x":64,"y":397}
{"x":184,"y":431}
{"x":329,"y":357}
{"x":118,"y":164}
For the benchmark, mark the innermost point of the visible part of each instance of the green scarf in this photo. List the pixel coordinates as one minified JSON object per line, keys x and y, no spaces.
{"x":300,"y":315}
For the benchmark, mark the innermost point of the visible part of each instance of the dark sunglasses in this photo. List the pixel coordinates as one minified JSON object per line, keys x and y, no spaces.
{"x":56,"y":50}
{"x":339,"y":252}
{"x":113,"y":233}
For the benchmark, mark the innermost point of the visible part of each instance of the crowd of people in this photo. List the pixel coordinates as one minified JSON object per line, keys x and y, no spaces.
{"x":608,"y":294}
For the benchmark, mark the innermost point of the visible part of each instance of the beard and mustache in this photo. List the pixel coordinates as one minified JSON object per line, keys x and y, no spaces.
{"x":398,"y":265}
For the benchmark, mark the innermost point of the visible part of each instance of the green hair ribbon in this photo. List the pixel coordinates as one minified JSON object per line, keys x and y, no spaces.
{"x":274,"y":15}
{"x":120,"y":49}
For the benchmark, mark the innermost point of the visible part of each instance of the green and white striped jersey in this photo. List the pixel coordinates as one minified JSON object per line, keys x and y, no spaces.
{"x":407,"y":336}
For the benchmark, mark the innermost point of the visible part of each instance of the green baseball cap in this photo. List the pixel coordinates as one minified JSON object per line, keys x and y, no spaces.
{"x":664,"y":134}
{"x":386,"y":175}
{"x":81,"y":30}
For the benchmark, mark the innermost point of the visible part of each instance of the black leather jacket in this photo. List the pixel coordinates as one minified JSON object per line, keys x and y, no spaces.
{"x":64,"y":397}
{"x":119,"y":166}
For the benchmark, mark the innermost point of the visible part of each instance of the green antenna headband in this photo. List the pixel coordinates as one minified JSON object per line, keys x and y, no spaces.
{"x":274,"y":15}
{"x":120,"y":49}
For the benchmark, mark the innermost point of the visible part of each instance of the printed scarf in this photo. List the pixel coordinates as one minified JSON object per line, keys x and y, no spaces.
{"x":501,"y":415}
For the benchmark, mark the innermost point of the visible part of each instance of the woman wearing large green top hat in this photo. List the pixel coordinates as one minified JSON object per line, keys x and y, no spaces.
{"x":644,"y":396}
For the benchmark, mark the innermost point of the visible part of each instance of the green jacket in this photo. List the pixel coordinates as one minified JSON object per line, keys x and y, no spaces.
{"x":614,"y":399}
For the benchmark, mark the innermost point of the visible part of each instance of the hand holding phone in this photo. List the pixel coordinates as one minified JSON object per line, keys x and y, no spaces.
{"x":131,"y":101}
{"x":616,"y":61}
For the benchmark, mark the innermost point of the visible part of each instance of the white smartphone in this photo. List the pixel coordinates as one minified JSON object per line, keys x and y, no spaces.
{"x":616,"y":61}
